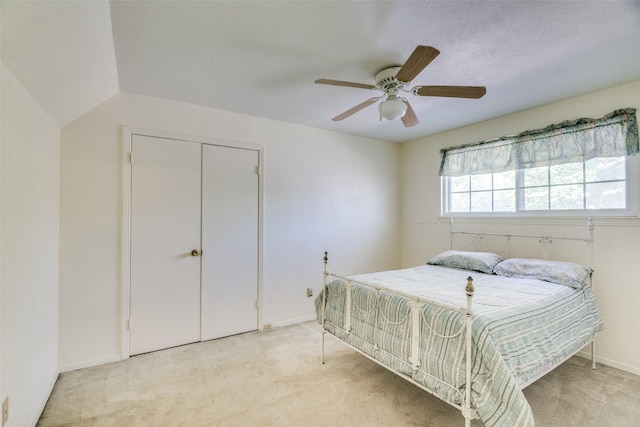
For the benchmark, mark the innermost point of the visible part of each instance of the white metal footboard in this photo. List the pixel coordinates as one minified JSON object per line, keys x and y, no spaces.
{"x":416,"y":305}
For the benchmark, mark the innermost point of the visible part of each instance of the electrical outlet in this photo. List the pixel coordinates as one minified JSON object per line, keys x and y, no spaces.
{"x":5,"y":411}
{"x":309,"y":292}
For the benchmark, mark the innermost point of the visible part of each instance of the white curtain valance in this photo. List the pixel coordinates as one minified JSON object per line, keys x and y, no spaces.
{"x":613,"y":135}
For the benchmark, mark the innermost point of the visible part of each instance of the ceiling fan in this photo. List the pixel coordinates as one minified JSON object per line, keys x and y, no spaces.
{"x":393,"y":80}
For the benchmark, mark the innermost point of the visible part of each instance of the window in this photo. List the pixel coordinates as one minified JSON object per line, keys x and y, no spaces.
{"x":585,"y":166}
{"x":596,"y":186}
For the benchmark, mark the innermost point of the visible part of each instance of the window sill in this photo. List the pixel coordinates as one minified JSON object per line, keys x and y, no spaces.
{"x":570,"y":221}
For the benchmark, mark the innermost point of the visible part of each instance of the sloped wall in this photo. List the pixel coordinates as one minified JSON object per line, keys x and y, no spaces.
{"x":29,"y":263}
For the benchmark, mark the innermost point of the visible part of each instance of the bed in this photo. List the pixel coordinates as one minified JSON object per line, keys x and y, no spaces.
{"x":502,"y":323}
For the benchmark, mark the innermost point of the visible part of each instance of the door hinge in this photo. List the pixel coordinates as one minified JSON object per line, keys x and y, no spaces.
{"x":258,"y":170}
{"x":131,"y":158}
{"x":129,"y":324}
{"x":257,"y":304}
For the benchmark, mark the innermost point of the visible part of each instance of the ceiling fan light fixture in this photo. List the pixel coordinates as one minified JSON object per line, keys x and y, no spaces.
{"x":392,"y":108}
{"x":393,"y":79}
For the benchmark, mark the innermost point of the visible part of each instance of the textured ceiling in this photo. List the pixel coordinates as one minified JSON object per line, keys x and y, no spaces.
{"x":262,"y":57}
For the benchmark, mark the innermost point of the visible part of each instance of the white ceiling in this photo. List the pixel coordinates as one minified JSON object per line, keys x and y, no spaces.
{"x":262,"y":57}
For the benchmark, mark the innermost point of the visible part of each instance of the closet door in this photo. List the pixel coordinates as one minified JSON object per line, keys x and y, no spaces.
{"x":229,"y":241}
{"x":165,"y":229}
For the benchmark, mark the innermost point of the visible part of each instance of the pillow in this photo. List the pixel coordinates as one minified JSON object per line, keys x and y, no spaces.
{"x":476,"y":261}
{"x":560,"y":272}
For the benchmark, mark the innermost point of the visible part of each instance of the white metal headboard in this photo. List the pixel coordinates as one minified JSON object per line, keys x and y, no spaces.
{"x":542,"y":239}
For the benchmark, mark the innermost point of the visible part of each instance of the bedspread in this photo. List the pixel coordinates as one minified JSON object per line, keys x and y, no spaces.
{"x":522,"y":328}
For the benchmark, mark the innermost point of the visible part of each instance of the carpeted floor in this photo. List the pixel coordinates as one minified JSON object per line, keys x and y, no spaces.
{"x":275,"y":379}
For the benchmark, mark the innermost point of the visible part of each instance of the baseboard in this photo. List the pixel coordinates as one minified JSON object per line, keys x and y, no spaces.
{"x":90,"y":363}
{"x":292,"y":322}
{"x":611,"y":363}
{"x":43,"y":400}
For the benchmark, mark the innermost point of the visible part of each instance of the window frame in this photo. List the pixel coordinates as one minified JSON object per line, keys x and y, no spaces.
{"x":631,"y":199}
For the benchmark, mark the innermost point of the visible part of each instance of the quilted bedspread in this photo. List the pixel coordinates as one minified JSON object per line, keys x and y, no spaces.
{"x":522,"y":328}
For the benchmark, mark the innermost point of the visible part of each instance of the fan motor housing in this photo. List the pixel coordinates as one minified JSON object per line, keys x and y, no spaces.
{"x":386,"y":79}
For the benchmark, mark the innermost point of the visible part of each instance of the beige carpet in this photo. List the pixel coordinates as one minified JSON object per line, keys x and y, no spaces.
{"x":275,"y":379}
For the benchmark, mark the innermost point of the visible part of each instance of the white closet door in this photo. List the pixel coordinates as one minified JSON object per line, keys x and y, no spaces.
{"x":229,"y":241}
{"x":165,"y":229}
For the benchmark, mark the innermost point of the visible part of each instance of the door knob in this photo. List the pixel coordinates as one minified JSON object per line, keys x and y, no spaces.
{"x":195,"y":252}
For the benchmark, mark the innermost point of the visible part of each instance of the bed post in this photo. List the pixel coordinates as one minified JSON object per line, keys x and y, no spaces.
{"x":469,"y":320}
{"x":348,"y":288}
{"x":324,"y":305}
{"x":590,"y":227}
{"x":450,"y":232}
{"x":416,"y":309}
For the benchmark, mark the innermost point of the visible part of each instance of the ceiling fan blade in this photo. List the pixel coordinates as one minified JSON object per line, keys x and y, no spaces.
{"x":342,"y":83}
{"x":419,"y":59}
{"x":409,"y":119}
{"x":355,"y":109}
{"x":451,"y":91}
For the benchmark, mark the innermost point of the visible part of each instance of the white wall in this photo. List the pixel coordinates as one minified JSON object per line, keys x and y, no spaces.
{"x":616,"y":247}
{"x":323,"y":191}
{"x":29,"y":264}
